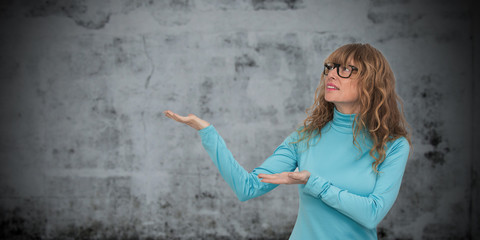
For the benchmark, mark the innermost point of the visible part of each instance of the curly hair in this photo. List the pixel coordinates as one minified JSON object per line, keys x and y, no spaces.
{"x":379,"y":116}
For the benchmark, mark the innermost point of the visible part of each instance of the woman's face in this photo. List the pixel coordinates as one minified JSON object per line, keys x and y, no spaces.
{"x":342,"y":91}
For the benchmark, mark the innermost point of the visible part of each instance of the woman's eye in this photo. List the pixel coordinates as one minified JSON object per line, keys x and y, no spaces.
{"x":345,"y":69}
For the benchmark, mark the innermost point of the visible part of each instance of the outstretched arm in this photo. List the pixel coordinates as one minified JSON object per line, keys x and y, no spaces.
{"x":244,"y":184}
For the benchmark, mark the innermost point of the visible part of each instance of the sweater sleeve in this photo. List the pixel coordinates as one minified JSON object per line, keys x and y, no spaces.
{"x":244,"y":184}
{"x":366,"y":210}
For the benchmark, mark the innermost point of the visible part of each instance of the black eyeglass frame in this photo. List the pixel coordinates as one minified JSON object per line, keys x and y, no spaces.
{"x":337,"y":66}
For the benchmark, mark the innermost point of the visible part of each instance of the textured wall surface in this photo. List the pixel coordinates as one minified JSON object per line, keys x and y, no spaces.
{"x":86,"y":152}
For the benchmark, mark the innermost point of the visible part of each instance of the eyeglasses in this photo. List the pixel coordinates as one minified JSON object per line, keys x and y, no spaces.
{"x":342,"y":71}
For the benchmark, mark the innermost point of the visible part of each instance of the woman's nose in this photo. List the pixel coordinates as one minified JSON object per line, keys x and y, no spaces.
{"x":332,"y":73}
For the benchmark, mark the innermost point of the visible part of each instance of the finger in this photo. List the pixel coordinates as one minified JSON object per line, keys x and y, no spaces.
{"x":267,"y":176}
{"x":169,"y":114}
{"x":293,"y":175}
{"x":274,"y":181}
{"x":177,"y":117}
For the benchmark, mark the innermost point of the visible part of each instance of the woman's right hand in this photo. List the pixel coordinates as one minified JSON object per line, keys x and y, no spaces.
{"x":191,"y":120}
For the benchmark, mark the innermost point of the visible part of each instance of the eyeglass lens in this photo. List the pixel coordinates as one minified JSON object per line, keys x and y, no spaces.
{"x":342,"y":71}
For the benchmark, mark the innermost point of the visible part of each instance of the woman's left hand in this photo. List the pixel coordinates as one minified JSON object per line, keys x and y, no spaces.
{"x":286,"y":177}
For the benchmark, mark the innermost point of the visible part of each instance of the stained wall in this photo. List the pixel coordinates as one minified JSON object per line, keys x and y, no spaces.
{"x":86,"y":153}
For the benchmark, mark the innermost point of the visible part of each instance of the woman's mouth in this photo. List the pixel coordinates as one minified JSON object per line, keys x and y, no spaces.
{"x":332,"y":87}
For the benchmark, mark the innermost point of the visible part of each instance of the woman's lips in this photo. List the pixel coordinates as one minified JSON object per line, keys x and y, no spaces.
{"x":331,"y":87}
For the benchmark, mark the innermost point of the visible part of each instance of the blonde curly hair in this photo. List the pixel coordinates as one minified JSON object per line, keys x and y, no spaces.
{"x":379,"y":113}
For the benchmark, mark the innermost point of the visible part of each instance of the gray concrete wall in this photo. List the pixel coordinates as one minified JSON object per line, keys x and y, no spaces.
{"x":86,"y":153}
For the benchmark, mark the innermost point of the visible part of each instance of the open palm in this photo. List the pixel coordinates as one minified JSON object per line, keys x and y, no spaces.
{"x":191,"y":120}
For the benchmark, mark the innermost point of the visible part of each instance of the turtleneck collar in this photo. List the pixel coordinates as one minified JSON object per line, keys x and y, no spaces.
{"x":342,"y":122}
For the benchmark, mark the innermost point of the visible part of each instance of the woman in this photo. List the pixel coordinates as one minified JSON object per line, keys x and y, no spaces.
{"x":351,"y":151}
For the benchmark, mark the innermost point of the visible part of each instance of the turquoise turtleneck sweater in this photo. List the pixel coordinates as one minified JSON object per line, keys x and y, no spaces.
{"x":343,"y":198}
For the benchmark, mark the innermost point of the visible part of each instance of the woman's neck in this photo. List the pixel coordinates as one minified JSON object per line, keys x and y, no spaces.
{"x":351,"y":109}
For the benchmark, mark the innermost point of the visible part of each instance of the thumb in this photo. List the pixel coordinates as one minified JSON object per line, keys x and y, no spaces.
{"x":294,"y":175}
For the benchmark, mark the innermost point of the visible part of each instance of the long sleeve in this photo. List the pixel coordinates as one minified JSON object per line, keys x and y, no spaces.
{"x":244,"y":184}
{"x":366,"y":210}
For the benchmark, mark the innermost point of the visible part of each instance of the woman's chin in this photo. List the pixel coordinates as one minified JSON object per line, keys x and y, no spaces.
{"x":329,"y":99}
